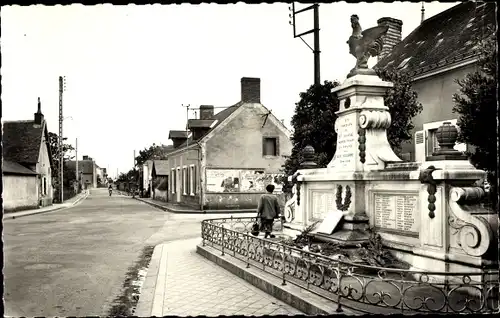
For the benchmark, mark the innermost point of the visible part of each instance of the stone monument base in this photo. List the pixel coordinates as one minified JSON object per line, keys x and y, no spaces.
{"x":361,"y":71}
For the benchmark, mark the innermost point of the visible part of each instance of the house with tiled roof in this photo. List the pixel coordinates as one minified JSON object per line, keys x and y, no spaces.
{"x":146,"y":169}
{"x":224,"y":160}
{"x":440,"y":50}
{"x":27,"y":164}
{"x":87,"y":170}
{"x":159,"y":179}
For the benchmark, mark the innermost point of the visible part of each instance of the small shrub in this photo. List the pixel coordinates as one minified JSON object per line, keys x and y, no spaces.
{"x":375,"y":253}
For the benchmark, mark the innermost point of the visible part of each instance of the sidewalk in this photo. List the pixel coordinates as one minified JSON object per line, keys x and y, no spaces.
{"x":181,"y":282}
{"x":54,"y":207}
{"x":178,"y":208}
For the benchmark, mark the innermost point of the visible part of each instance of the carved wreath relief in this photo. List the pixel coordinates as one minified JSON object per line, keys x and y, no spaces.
{"x":343,"y":206}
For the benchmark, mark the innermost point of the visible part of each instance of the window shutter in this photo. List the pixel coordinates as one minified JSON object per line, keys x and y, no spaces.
{"x":263,"y":146}
{"x":195,"y":182}
{"x":420,"y":146}
{"x":277,"y":152}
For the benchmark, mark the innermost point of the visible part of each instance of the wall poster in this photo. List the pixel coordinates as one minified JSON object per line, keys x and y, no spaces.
{"x":244,"y":180}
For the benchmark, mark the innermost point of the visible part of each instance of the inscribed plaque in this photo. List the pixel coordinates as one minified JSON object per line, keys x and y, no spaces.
{"x":322,"y":203}
{"x":396,"y":212}
{"x":330,"y":222}
{"x":345,"y":155}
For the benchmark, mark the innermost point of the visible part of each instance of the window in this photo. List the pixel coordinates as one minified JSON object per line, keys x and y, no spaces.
{"x":44,"y":186}
{"x":178,"y":179}
{"x":433,"y":142}
{"x":192,"y":179}
{"x":172,"y":180}
{"x":270,"y":146}
{"x":431,"y":145}
{"x":184,"y":179}
{"x":188,"y":181}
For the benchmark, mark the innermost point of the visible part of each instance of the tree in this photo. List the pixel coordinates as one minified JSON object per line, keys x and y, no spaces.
{"x":476,"y":106}
{"x":313,"y":125}
{"x":69,"y":175}
{"x":403,"y":106}
{"x":55,"y":154}
{"x":154,"y":152}
{"x":122,"y":177}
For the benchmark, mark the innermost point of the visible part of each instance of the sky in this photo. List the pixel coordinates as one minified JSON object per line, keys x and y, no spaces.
{"x":129,"y":69}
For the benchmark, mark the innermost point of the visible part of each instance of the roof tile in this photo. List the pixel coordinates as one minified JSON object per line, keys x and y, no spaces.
{"x":447,"y":37}
{"x":21,"y":141}
{"x":219,"y":117}
{"x":161,"y":167}
{"x":10,"y":167}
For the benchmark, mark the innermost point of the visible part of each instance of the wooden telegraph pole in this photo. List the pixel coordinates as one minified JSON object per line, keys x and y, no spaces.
{"x":62,"y":86}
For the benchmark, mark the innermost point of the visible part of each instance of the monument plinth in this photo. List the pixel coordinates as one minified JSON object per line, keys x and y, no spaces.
{"x":361,"y":126}
{"x":429,"y":214}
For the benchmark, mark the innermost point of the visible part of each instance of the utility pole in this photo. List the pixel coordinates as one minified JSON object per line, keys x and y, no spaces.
{"x":315,"y":30}
{"x":187,"y":120}
{"x":76,"y":172}
{"x":317,"y":71}
{"x":62,"y":84}
{"x":422,"y":16}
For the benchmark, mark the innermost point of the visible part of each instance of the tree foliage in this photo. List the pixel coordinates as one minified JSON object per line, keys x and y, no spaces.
{"x":55,"y":155}
{"x":403,"y":106}
{"x":131,"y":176}
{"x":313,"y":125}
{"x":476,"y":106}
{"x":154,"y":152}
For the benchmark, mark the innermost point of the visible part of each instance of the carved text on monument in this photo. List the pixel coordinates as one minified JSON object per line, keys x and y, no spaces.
{"x":396,"y":212}
{"x":346,"y":141}
{"x":322,"y":203}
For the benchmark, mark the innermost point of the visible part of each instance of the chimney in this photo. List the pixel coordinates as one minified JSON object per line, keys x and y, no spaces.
{"x":392,"y":37}
{"x":250,"y":90}
{"x":38,"y":114}
{"x":206,"y":112}
{"x":85,"y":157}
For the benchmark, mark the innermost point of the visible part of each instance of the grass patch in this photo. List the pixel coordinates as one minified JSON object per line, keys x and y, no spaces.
{"x":124,"y":305}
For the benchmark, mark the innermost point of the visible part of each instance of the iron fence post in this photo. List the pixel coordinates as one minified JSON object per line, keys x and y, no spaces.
{"x":339,"y":307}
{"x":401,"y":292}
{"x":203,"y":226}
{"x":222,"y":242}
{"x":283,"y":265}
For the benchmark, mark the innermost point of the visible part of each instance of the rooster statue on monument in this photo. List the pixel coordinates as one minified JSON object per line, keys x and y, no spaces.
{"x":363,"y":44}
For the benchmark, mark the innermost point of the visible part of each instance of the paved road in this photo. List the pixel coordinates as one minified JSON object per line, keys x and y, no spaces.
{"x":73,"y":262}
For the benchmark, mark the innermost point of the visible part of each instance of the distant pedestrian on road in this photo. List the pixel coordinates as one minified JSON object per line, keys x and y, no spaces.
{"x":268,"y":210}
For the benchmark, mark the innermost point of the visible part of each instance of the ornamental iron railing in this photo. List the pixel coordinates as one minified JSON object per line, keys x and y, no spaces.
{"x":360,"y":287}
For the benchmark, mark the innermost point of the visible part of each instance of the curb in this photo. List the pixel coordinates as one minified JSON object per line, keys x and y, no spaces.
{"x":303,"y":300}
{"x":80,"y":199}
{"x":147,"y":296}
{"x":164,"y":208}
{"x":66,"y":205}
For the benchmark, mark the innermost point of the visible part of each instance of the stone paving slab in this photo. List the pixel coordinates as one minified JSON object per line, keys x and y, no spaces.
{"x":187,"y":284}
